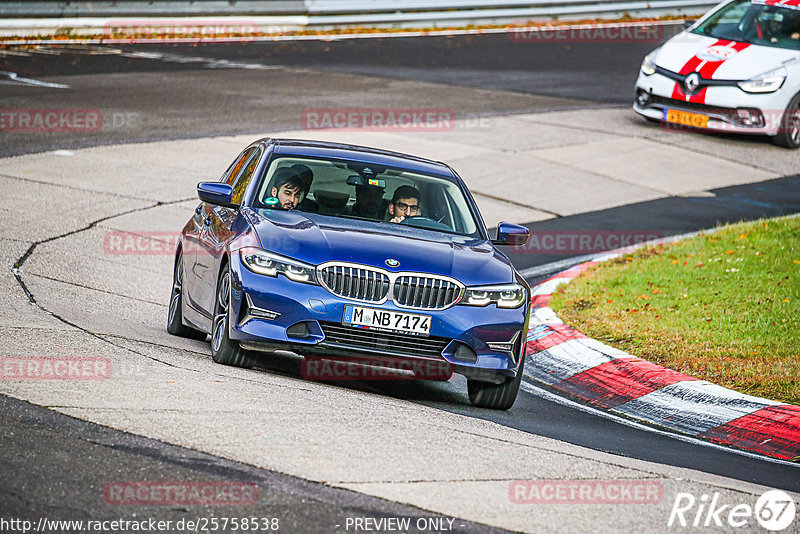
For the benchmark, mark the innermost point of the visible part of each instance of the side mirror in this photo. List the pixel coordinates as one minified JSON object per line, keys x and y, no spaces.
{"x":216,"y":193}
{"x":688,"y":23}
{"x":511,"y":234}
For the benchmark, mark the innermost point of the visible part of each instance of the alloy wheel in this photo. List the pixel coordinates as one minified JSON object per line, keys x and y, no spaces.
{"x":221,"y":317}
{"x":177,"y":284}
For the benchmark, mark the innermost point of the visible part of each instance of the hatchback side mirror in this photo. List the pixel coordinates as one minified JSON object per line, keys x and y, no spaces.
{"x":511,"y":234}
{"x":216,"y":193}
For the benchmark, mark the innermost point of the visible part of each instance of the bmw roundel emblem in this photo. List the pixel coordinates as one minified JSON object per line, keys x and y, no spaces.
{"x":391,"y":262}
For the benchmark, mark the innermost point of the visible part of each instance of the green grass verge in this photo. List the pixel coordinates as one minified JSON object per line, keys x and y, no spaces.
{"x":724,"y":307}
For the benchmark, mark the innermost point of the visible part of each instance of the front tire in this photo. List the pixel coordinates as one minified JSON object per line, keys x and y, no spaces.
{"x":789,"y":131}
{"x":175,"y":324}
{"x":223,"y":349}
{"x":495,"y":396}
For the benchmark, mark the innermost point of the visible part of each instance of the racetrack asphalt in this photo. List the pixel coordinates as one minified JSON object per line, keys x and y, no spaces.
{"x":91,"y":185}
{"x":41,"y":480}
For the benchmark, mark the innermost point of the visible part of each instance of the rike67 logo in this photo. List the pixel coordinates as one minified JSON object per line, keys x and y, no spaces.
{"x":774,"y":510}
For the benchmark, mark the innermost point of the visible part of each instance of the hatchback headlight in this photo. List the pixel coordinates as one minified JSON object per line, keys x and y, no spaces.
{"x":267,"y":263}
{"x":648,"y":66}
{"x":769,"y":82}
{"x":505,"y":296}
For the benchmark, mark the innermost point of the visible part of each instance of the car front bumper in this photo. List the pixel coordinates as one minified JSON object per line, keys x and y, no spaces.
{"x":722,"y":105}
{"x":275,"y":313}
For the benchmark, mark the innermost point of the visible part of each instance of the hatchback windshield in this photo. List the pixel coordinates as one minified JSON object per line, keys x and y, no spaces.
{"x":752,"y":21}
{"x":369,"y":192}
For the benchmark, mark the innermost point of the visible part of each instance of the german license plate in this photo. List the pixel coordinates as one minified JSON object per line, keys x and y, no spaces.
{"x":695,"y":120}
{"x":387,"y":320}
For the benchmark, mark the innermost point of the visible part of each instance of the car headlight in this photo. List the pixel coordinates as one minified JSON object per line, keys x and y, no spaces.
{"x":768,"y":82}
{"x":505,"y":296}
{"x":270,"y":264}
{"x":648,"y":65}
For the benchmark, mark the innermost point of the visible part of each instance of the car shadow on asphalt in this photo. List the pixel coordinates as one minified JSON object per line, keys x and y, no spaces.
{"x":407,"y":388}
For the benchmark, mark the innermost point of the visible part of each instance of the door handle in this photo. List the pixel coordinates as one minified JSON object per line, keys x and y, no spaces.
{"x":208,"y":221}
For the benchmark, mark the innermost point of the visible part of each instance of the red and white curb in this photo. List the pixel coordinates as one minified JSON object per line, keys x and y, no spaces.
{"x":570,"y":362}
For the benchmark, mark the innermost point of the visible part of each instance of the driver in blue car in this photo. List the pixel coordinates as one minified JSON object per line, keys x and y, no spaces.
{"x":405,"y":203}
{"x":287,"y":190}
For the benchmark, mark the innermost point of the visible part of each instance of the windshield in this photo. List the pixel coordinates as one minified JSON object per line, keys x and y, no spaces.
{"x":752,"y":21}
{"x":360,"y":191}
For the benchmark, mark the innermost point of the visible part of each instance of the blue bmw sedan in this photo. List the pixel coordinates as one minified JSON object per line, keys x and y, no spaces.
{"x":337,"y":251}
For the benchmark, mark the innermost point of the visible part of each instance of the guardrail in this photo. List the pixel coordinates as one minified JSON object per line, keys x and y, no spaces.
{"x":40,"y":17}
{"x":149,"y":8}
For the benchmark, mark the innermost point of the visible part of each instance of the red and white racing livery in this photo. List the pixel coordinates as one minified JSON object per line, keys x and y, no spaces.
{"x":737,"y":69}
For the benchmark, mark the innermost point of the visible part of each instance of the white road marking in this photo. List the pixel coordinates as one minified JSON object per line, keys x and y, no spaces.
{"x":210,"y":63}
{"x":15,"y":79}
{"x":47,"y":51}
{"x":11,"y":52}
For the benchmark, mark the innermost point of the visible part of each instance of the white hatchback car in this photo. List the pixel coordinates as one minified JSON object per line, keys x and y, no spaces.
{"x":737,"y":69}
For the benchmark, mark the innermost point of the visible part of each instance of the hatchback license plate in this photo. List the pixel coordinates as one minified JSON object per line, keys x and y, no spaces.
{"x":695,"y":120}
{"x":387,"y":320}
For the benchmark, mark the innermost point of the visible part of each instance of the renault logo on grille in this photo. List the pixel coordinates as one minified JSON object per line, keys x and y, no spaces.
{"x":391,"y":262}
{"x":692,"y":82}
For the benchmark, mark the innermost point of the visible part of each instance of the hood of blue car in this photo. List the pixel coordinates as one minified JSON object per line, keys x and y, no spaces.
{"x":317,"y":239}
